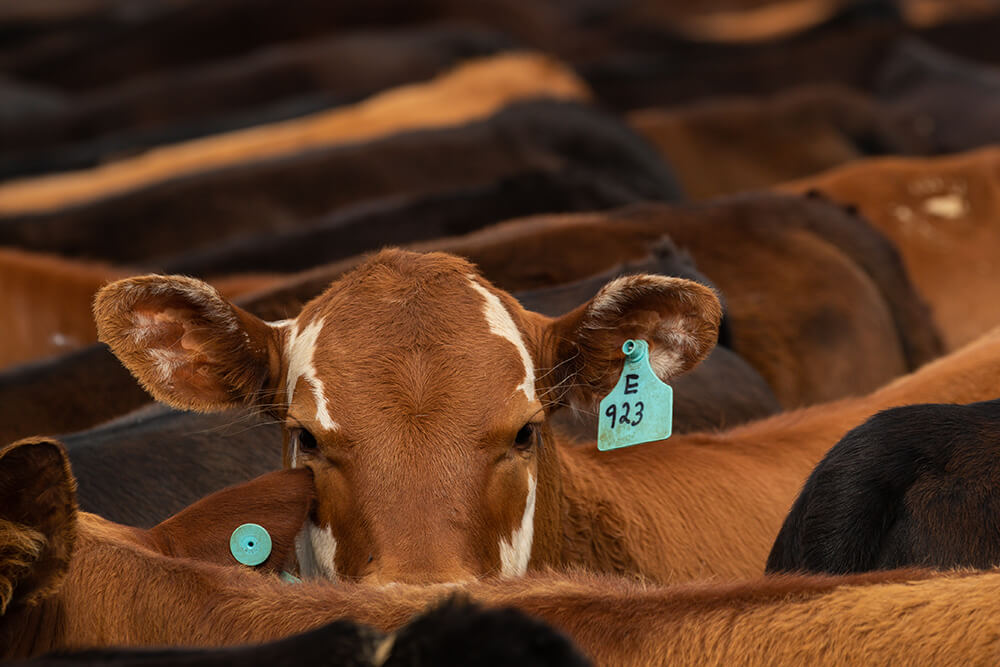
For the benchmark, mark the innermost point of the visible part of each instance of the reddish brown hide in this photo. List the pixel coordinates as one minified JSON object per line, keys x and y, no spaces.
{"x":48,"y":301}
{"x":942,"y":215}
{"x":898,"y":616}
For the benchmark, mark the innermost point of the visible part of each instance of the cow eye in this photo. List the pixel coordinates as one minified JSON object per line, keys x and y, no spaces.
{"x":525,"y":438}
{"x":305,"y":440}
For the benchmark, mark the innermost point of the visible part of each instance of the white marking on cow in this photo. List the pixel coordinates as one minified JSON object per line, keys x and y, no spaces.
{"x":315,"y":549}
{"x":383,"y":650}
{"x":946,"y":206}
{"x":299,"y":350}
{"x":515,"y":554}
{"x":502,"y":325}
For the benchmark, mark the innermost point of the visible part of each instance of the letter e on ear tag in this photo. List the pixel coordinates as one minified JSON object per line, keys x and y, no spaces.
{"x":250,"y":544}
{"x":641,"y":406}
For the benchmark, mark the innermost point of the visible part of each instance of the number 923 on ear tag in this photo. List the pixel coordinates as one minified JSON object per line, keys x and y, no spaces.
{"x":641,"y":406}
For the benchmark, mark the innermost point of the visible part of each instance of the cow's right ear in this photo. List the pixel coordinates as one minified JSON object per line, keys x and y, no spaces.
{"x":188,"y":346}
{"x":37,"y":520}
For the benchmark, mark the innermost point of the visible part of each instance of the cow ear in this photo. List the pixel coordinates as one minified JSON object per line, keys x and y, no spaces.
{"x":37,"y":520}
{"x":189,"y":347}
{"x":278,"y":501}
{"x":678,"y":318}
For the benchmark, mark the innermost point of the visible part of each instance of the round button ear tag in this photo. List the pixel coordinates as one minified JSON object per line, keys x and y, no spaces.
{"x":250,"y":544}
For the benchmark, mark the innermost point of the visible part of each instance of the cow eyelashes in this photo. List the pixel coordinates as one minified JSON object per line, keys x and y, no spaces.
{"x":305,"y":440}
{"x":525,"y":438}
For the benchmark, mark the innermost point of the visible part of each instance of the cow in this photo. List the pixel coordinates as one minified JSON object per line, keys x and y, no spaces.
{"x":728,"y":145}
{"x":940,"y":213}
{"x":464,"y":94}
{"x":107,"y":591}
{"x":187,"y":213}
{"x":912,"y":486}
{"x":278,"y":503}
{"x":161,"y":461}
{"x":413,"y":387}
{"x":256,"y":88}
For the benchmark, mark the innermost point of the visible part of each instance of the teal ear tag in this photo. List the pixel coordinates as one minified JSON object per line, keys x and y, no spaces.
{"x":641,"y":406}
{"x":250,"y":544}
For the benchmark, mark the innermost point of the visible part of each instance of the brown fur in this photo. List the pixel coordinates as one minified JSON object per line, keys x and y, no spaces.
{"x":950,"y":251}
{"x":49,"y":301}
{"x":896,"y":617}
{"x":809,"y":348}
{"x":731,"y":145}
{"x":415,"y":430}
{"x":278,"y":501}
{"x":37,"y":521}
{"x":470,"y":91}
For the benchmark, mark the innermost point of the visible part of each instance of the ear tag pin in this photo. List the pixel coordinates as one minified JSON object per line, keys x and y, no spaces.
{"x":250,"y":544}
{"x":641,"y":406}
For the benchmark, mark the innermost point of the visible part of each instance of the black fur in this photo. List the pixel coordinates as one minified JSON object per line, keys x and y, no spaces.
{"x":404,"y":219}
{"x":912,"y":486}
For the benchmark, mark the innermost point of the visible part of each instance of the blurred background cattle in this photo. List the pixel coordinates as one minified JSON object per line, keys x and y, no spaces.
{"x":831,"y":168}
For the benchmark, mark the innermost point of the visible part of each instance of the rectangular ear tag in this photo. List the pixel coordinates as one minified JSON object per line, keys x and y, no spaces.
{"x":641,"y":406}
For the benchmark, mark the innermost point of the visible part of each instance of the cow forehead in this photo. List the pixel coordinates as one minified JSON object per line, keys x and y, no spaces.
{"x":410,"y":348}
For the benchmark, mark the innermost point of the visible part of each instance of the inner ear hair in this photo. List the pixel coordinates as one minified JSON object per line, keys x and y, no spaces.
{"x":186,"y":344}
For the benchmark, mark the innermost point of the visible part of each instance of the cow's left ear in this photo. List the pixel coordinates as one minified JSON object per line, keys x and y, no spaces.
{"x":188,"y":346}
{"x":678,"y":318}
{"x":279,"y":502}
{"x":37,"y":520}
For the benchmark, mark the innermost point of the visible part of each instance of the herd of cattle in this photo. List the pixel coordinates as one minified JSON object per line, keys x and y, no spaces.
{"x":376,"y":262}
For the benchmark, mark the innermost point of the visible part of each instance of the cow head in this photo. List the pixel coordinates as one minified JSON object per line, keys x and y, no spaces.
{"x":418,"y":395}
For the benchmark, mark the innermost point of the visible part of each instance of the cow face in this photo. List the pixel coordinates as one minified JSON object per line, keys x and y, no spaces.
{"x":416,"y":392}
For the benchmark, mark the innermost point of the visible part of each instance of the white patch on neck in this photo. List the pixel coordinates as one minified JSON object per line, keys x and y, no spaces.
{"x":315,"y":549}
{"x":503,"y":325}
{"x":299,"y":350}
{"x":515,"y":554}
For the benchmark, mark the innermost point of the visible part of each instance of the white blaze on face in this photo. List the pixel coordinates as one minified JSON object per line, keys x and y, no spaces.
{"x":299,"y":350}
{"x":515,"y":554}
{"x":502,"y":325}
{"x":315,"y":549}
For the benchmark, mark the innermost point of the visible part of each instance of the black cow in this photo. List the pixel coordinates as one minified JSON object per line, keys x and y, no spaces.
{"x":912,"y":486}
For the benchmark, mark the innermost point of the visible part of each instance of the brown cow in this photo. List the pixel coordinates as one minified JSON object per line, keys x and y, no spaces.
{"x":105,"y":590}
{"x":47,"y":301}
{"x":419,"y":395}
{"x":468,"y":92}
{"x":942,"y":215}
{"x":729,"y":145}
